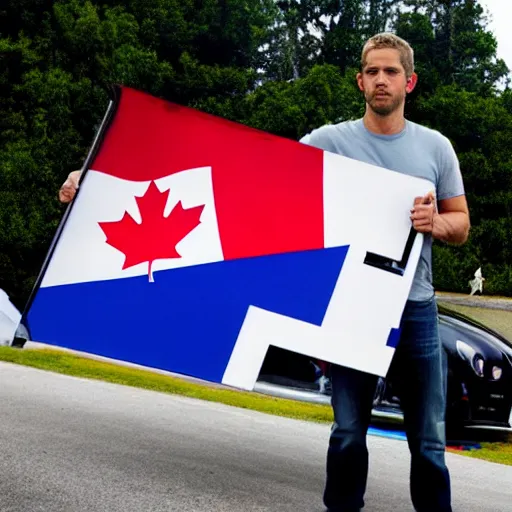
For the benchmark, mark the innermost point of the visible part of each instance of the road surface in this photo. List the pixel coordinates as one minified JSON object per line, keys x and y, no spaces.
{"x":75,"y":445}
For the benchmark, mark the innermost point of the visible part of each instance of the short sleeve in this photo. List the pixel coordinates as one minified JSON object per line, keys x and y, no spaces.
{"x":450,"y":182}
{"x":320,"y":138}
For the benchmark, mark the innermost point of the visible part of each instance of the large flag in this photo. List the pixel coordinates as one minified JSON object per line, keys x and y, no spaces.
{"x":195,"y":243}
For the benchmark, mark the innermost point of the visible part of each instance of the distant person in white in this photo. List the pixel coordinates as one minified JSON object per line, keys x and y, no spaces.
{"x":383,"y":137}
{"x":477,"y":283}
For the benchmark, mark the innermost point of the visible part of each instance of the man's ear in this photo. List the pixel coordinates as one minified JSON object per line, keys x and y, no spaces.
{"x":359,"y":79}
{"x":411,"y":83}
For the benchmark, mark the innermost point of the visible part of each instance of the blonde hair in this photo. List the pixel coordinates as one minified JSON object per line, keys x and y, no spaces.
{"x":386,"y":40}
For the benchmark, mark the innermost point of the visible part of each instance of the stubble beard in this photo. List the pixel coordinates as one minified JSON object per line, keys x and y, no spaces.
{"x":383,"y":110}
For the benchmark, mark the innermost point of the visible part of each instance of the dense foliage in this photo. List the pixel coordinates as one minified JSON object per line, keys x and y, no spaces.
{"x":285,"y":66}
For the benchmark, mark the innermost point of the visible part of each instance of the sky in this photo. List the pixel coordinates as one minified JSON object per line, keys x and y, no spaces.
{"x":500,"y":12}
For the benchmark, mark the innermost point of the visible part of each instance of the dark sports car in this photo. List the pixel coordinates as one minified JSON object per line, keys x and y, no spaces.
{"x":479,"y":376}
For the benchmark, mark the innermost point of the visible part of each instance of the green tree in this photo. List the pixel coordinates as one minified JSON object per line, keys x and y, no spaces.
{"x":294,"y":108}
{"x":480,"y":129}
{"x":284,"y":66}
{"x":459,"y":49}
{"x":58,"y":59}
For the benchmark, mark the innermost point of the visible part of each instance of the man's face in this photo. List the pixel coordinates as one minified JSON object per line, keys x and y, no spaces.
{"x":384,"y":82}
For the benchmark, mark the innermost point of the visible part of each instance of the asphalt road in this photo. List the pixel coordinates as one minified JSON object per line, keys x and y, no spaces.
{"x":73,"y":445}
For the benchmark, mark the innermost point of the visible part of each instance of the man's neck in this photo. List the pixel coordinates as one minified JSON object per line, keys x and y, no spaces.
{"x":384,"y":125}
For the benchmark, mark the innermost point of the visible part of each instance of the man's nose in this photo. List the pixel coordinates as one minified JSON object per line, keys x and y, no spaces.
{"x":381,"y":78}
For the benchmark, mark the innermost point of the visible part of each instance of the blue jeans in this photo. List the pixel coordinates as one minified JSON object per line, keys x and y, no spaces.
{"x":419,"y":367}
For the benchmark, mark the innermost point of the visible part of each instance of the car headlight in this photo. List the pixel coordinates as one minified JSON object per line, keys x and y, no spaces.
{"x":496,"y":372}
{"x":478,"y":365}
{"x":468,"y":353}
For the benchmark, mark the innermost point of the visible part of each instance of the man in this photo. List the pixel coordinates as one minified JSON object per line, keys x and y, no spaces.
{"x":385,"y":138}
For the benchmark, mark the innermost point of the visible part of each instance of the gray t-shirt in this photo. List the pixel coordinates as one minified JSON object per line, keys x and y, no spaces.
{"x":416,"y":151}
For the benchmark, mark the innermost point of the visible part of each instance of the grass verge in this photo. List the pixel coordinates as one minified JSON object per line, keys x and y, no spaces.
{"x":499,"y":452}
{"x":77,"y":366}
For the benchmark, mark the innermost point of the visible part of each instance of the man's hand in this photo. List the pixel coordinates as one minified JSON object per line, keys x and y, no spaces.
{"x":450,"y":223}
{"x":69,"y":187}
{"x":423,"y":213}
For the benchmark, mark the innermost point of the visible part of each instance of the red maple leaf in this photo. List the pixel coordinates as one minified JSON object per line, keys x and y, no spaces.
{"x":156,"y":236}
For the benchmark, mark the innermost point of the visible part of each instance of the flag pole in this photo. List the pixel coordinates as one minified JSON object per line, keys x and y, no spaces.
{"x":115,"y":94}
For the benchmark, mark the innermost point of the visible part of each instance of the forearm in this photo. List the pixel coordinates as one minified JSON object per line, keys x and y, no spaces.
{"x":451,"y":227}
